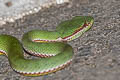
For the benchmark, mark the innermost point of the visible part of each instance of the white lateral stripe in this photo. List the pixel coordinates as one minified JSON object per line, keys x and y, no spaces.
{"x":3,"y":52}
{"x":57,"y":40}
{"x":23,"y":72}
{"x":39,"y":54}
{"x":68,"y":38}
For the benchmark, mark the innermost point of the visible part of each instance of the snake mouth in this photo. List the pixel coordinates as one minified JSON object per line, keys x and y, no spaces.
{"x":45,"y":72}
{"x":76,"y":32}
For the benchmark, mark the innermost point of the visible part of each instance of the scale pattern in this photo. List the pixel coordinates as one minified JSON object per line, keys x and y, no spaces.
{"x":51,"y":46}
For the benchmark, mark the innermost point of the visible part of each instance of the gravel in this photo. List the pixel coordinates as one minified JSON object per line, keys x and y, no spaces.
{"x":96,"y":53}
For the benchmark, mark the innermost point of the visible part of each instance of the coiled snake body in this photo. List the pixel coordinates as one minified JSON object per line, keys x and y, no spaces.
{"x":49,"y":44}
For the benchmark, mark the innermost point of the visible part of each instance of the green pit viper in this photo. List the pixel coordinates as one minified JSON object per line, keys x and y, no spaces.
{"x":49,"y":44}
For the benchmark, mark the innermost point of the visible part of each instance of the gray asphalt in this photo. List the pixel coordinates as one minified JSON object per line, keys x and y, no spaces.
{"x":96,"y":53}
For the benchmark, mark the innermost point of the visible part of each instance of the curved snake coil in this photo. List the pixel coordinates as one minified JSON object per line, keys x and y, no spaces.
{"x":49,"y":44}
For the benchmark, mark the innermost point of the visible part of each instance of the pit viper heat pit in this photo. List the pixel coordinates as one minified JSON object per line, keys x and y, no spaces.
{"x":50,"y":45}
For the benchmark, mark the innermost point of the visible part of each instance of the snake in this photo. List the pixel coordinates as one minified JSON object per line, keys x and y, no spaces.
{"x":51,"y":47}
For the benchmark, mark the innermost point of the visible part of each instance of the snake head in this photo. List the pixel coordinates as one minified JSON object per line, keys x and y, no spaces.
{"x":75,"y":27}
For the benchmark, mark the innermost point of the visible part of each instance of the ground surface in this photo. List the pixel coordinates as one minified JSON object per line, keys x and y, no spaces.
{"x":97,"y":52}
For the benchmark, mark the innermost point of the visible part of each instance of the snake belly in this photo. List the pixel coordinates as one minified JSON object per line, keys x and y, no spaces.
{"x":51,"y":46}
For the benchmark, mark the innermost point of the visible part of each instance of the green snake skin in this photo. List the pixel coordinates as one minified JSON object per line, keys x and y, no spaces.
{"x":50,"y":46}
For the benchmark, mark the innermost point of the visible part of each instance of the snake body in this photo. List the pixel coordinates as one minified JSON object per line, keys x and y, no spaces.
{"x":49,"y":44}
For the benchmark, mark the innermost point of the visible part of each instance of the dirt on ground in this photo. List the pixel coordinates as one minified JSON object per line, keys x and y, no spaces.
{"x":96,"y":53}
